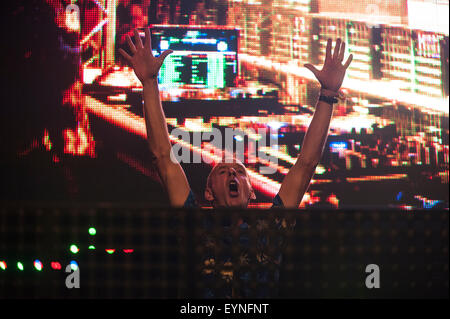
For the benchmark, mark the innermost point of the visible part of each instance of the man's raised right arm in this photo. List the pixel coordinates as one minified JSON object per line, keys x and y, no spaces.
{"x":146,"y":68}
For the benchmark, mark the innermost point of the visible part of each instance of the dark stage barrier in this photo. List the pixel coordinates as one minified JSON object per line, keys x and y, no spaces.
{"x":136,"y":251}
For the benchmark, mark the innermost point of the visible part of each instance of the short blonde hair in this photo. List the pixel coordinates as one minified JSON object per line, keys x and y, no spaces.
{"x":226,"y":160}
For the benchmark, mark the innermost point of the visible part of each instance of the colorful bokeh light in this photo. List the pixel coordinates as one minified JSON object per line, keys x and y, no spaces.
{"x":38,"y":265}
{"x":74,"y":265}
{"x":74,"y":249}
{"x":55,"y":265}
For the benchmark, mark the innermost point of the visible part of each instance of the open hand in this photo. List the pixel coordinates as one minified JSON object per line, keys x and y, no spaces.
{"x":333,"y":72}
{"x":145,"y":65}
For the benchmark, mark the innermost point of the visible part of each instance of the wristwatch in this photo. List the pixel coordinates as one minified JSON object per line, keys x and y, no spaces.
{"x":328,"y":99}
{"x":328,"y":96}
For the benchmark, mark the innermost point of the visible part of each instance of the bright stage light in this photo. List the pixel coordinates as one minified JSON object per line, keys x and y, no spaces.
{"x":55,"y":265}
{"x":38,"y":265}
{"x":74,"y":265}
{"x":74,"y":249}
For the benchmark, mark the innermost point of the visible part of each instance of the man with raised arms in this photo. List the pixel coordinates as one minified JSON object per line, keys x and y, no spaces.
{"x":228,"y":184}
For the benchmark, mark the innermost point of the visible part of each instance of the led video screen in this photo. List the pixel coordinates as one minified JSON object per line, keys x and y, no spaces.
{"x":206,"y":58}
{"x":73,"y":127}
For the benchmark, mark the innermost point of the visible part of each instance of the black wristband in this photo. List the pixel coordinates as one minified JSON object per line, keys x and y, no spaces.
{"x":328,"y":99}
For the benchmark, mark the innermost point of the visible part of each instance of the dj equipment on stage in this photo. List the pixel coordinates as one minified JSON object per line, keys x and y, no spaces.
{"x":118,"y":86}
{"x":139,"y":251}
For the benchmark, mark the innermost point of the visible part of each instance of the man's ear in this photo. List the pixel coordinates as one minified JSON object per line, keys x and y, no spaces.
{"x":252,"y":194}
{"x":209,"y":196}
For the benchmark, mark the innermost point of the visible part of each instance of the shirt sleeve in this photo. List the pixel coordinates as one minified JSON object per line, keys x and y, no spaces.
{"x":190,"y":202}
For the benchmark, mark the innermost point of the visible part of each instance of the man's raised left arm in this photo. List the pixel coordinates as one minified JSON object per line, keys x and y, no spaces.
{"x":330,"y":77}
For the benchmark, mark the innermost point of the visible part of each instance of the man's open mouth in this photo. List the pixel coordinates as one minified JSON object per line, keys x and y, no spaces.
{"x":234,"y":188}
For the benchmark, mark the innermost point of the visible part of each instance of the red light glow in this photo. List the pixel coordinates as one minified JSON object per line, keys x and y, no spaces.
{"x":55,"y":265}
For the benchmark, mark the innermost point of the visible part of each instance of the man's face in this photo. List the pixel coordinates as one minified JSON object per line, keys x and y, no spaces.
{"x":229,"y":186}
